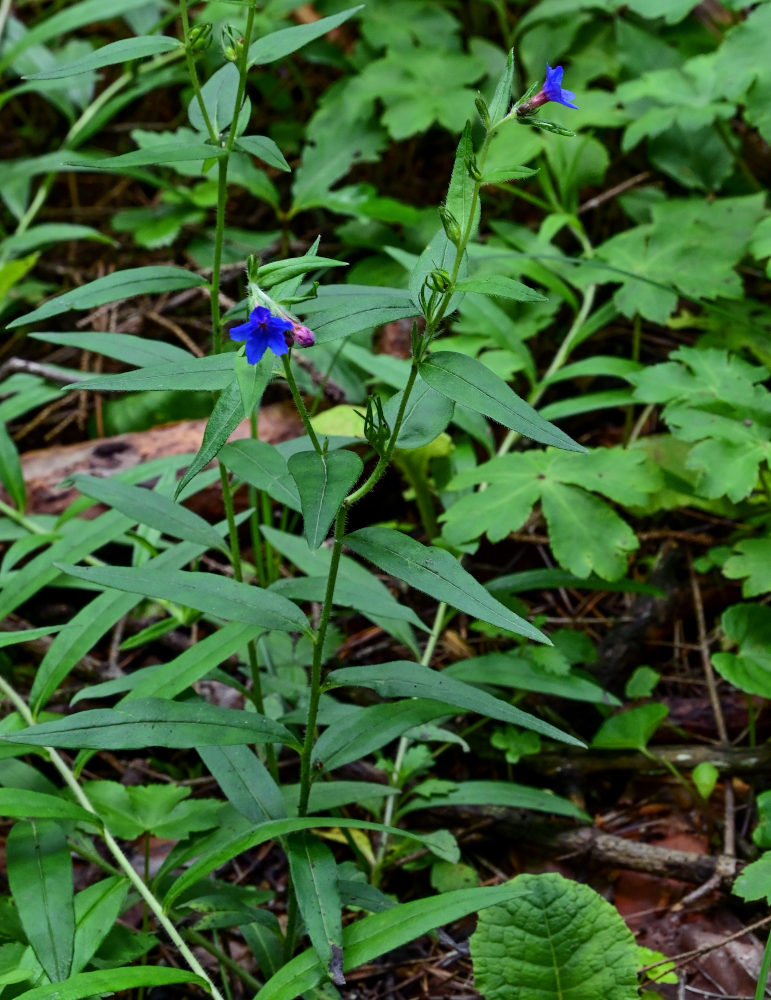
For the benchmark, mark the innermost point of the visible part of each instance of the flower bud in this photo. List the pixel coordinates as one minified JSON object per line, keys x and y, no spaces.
{"x":200,"y":37}
{"x":232,"y":43}
{"x":438,"y":279}
{"x":472,"y":169}
{"x":450,"y":224}
{"x":302,"y":336}
{"x":482,"y":111}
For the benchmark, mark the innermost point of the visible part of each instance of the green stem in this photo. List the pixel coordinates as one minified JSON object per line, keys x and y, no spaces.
{"x":765,"y":968}
{"x":306,"y":776}
{"x":193,"y":72}
{"x":299,"y":402}
{"x":122,"y":861}
{"x":198,"y":939}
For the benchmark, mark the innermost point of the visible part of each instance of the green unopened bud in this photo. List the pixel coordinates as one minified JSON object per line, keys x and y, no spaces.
{"x":450,"y":224}
{"x":484,"y":114}
{"x":472,"y":169}
{"x":200,"y":37}
{"x":232,"y":43}
{"x":438,"y":280}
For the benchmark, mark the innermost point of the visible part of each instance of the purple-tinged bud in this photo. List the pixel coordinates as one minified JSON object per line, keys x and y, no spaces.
{"x":552,"y":90}
{"x":302,"y":336}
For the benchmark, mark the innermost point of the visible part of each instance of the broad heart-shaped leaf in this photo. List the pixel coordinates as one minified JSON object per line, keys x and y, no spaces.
{"x":504,"y":794}
{"x":40,"y":877}
{"x":585,"y":533}
{"x":155,"y":722}
{"x":382,"y":932}
{"x":190,"y":375}
{"x":403,"y":678}
{"x":107,"y":981}
{"x":314,"y":880}
{"x":247,"y":836}
{"x":112,"y":54}
{"x":749,"y":669}
{"x":437,"y":573}
{"x":754,"y":881}
{"x":554,"y":939}
{"x":500,"y":286}
{"x":632,"y":729}
{"x":752,"y":560}
{"x":471,"y":383}
{"x":323,"y":481}
{"x":282,"y":43}
{"x":151,"y":508}
{"x":112,"y":287}
{"x":209,"y":592}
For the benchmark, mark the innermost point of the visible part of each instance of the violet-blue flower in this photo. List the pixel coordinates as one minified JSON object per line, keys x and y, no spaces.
{"x":552,"y":90}
{"x":262,"y":331}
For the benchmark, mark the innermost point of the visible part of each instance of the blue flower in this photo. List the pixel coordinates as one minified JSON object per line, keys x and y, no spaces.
{"x":262,"y":331}
{"x":553,"y":89}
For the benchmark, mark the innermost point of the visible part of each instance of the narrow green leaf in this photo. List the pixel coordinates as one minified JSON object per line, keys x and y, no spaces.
{"x":314,"y":879}
{"x":40,"y":877}
{"x":225,"y":849}
{"x":189,"y":375}
{"x":112,"y":54}
{"x":39,"y":805}
{"x":11,"y":474}
{"x":403,"y":678}
{"x":472,"y":384}
{"x":264,"y":149}
{"x":367,"y":729}
{"x":68,"y":18}
{"x":437,"y":573}
{"x":263,"y":466}
{"x":155,"y":722}
{"x":157,"y":156}
{"x":96,"y":910}
{"x":501,"y":286}
{"x":113,"y":287}
{"x":28,"y":634}
{"x":501,"y":100}
{"x":109,"y":981}
{"x":132,"y":350}
{"x":323,"y":481}
{"x":282,"y":43}
{"x":49,"y":233}
{"x":381,"y":932}
{"x":227,"y":414}
{"x":245,"y":781}
{"x":504,"y":794}
{"x":209,"y":592}
{"x":150,"y":508}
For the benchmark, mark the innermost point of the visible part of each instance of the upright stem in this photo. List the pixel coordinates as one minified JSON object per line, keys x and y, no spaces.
{"x":299,"y":402}
{"x":122,"y":861}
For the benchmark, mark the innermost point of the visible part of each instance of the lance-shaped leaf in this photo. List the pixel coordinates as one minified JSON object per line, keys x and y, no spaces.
{"x":471,"y":383}
{"x":155,"y":722}
{"x":151,"y":508}
{"x":437,"y":573}
{"x":323,"y":482}
{"x":403,"y":678}
{"x":40,"y":877}
{"x":111,"y":55}
{"x":186,"y":375}
{"x":112,"y":287}
{"x":209,"y":592}
{"x":281,"y":43}
{"x":501,"y":286}
{"x":314,"y":878}
{"x":40,"y":805}
{"x":108,"y":981}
